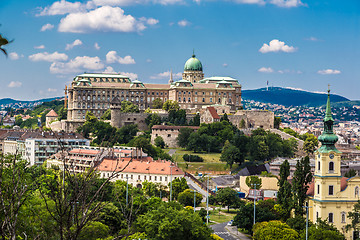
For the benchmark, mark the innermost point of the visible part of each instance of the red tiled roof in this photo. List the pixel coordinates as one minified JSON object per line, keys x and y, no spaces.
{"x":145,"y":165}
{"x":84,"y":151}
{"x":166,"y":127}
{"x":52,"y":113}
{"x":213,"y":112}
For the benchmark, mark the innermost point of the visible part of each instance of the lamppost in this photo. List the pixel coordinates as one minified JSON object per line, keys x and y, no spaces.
{"x":127,"y":189}
{"x":171,"y":166}
{"x":207,"y":201}
{"x":307,"y":219}
{"x":194,"y":199}
{"x":255,"y":185}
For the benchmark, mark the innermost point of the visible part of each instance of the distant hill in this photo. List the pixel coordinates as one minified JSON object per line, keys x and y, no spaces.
{"x":289,"y":97}
{"x":10,"y":101}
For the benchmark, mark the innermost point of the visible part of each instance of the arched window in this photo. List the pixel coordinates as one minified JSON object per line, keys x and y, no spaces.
{"x":331,"y":218}
{"x":331,"y":166}
{"x":318,"y":165}
{"x":343,"y":217}
{"x":357,"y":191}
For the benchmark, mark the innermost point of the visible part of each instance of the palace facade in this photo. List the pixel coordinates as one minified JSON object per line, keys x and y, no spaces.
{"x":93,"y":92}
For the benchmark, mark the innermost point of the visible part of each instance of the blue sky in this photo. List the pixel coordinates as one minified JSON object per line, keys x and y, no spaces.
{"x":291,"y":43}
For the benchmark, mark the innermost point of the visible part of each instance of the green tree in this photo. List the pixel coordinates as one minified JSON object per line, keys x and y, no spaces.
{"x":18,"y":120}
{"x":106,"y":115}
{"x":157,"y":103}
{"x":62,"y":113}
{"x":159,"y":142}
{"x":253,"y":182}
{"x":224,"y":118}
{"x":3,"y":42}
{"x":93,"y":231}
{"x":284,"y":194}
{"x":129,"y":107}
{"x":231,"y":154}
{"x":187,"y":198}
{"x":277,"y":122}
{"x":274,"y":230}
{"x":227,"y":197}
{"x":322,"y":230}
{"x":350,"y":173}
{"x":354,"y":216}
{"x":302,"y":177}
{"x":178,"y":186}
{"x":171,"y":105}
{"x":310,"y":144}
{"x":172,"y":221}
{"x":196,"y":120}
{"x":153,"y":119}
{"x":242,"y":124}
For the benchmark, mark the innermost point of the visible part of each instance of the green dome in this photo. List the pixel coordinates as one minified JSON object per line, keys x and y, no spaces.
{"x":193,"y":64}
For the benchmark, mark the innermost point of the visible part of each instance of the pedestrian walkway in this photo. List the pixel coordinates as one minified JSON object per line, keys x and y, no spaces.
{"x":196,"y":187}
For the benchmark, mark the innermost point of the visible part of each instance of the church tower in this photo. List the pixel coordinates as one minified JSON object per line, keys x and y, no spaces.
{"x":327,"y":182}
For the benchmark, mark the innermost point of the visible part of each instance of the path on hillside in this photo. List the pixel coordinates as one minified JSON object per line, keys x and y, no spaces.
{"x":172,"y":152}
{"x":196,"y":187}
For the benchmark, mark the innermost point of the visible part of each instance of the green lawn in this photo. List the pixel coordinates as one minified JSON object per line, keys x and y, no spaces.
{"x":211,"y":161}
{"x":222,"y":217}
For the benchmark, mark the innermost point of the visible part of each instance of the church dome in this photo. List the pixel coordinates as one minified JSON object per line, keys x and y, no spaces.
{"x":193,"y":64}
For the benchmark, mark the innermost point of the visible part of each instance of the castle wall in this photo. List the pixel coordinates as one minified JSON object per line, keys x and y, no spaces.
{"x":253,"y":118}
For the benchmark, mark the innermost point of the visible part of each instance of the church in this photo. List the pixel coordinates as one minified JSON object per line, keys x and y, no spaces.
{"x":331,"y":196}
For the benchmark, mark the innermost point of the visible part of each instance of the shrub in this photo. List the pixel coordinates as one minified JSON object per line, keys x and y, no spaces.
{"x":192,"y":158}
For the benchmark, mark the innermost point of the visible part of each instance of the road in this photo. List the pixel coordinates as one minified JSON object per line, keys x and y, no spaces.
{"x":196,"y":187}
{"x":221,"y":231}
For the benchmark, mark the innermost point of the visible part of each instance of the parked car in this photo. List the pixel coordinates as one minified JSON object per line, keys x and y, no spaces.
{"x":230,"y":222}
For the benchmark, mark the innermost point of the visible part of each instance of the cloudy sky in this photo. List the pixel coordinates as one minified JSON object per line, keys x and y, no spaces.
{"x":305,"y":44}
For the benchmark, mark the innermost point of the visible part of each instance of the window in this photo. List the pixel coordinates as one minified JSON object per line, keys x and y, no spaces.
{"x":155,"y":178}
{"x":203,"y":100}
{"x":331,"y":190}
{"x":331,"y":218}
{"x":331,"y":167}
{"x":318,"y":165}
{"x":356,"y":191}
{"x":169,"y":135}
{"x":211,"y":99}
{"x":160,"y":178}
{"x":318,"y":189}
{"x":317,"y":215}
{"x":343,"y":217}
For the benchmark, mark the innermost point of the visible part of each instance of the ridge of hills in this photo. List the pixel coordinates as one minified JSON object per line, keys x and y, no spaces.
{"x":292,"y":97}
{"x":10,"y":101}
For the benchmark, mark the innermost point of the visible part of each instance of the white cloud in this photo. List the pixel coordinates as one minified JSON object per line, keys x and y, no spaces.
{"x":329,"y":71}
{"x":148,"y":60}
{"x":152,"y":21}
{"x":49,"y":57}
{"x":112,"y":57}
{"x":96,"y":46}
{"x":259,"y":2}
{"x":62,"y":7}
{"x":47,"y":26}
{"x":132,"y":76}
{"x":14,"y":56}
{"x":183,"y":23}
{"x":225,"y":64}
{"x":287,"y":3}
{"x":77,"y":42}
{"x":314,"y":39}
{"x":168,"y":2}
{"x":77,"y":65}
{"x":266,"y":70}
{"x":112,"y":2}
{"x":109,"y":69}
{"x":103,"y":19}
{"x":40,"y":47}
{"x":14,"y":84}
{"x":166,"y":75}
{"x":276,"y":46}
{"x":52,"y":90}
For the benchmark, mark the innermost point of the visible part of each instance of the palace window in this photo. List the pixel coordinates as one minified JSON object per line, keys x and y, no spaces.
{"x":331,"y":218}
{"x":318,"y":165}
{"x":357,"y":191}
{"x":203,"y":100}
{"x":211,"y":100}
{"x":331,"y":190}
{"x":184,"y":99}
{"x":331,"y":167}
{"x":318,"y":189}
{"x":189,"y":100}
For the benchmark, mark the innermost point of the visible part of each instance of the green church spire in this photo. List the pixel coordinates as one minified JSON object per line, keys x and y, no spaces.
{"x":328,"y":138}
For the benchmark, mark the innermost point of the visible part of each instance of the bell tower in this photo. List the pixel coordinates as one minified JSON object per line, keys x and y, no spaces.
{"x":327,"y":182}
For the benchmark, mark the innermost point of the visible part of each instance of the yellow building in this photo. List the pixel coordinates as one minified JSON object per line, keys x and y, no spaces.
{"x":331,"y":195}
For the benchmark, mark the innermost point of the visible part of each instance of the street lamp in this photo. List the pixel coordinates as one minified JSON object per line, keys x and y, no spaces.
{"x":171,"y":166}
{"x":307,"y":219}
{"x":194,"y":199}
{"x":207,"y":200}
{"x":255,"y":185}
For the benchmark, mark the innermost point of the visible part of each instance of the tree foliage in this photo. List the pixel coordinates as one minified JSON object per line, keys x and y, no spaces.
{"x":157,"y":103}
{"x":129,"y":107}
{"x":284,"y":194}
{"x":159,"y":142}
{"x":171,"y":105}
{"x":227,"y":197}
{"x":187,"y":198}
{"x":253,"y":182}
{"x":302,"y":177}
{"x":274,"y":230}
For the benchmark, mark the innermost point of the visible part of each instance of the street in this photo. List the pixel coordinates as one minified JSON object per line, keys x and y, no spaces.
{"x":221,"y":231}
